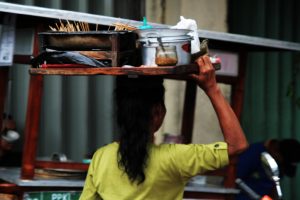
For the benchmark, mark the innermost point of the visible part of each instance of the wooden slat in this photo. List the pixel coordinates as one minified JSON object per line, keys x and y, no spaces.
{"x":168,"y":70}
{"x":22,"y":59}
{"x":61,"y":165}
{"x":8,"y":197}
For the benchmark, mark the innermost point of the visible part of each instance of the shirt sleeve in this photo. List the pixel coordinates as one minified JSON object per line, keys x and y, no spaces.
{"x":89,"y":190}
{"x":196,"y":159}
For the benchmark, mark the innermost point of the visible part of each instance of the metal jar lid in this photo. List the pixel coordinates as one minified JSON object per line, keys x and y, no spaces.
{"x":174,"y":39}
{"x":161,"y":32}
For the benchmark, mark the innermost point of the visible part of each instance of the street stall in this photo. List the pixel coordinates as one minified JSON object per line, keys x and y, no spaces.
{"x":100,"y":50}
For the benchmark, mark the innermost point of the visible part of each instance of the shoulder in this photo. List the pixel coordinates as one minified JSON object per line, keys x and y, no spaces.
{"x":109,"y":148}
{"x":104,"y":154}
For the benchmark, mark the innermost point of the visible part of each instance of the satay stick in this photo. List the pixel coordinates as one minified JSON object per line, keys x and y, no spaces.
{"x":87,"y":26}
{"x":82,"y":26}
{"x":53,"y":29}
{"x":57,"y":27}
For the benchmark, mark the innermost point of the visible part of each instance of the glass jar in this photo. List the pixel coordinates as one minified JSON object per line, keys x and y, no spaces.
{"x":166,"y":56}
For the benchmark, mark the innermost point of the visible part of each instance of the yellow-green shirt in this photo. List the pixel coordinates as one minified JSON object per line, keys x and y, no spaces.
{"x":169,"y":167}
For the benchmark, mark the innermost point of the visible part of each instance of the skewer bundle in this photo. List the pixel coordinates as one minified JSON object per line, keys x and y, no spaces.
{"x":70,"y":27}
{"x":84,"y":26}
{"x":123,"y":27}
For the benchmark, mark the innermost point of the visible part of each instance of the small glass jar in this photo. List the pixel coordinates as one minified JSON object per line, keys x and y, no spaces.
{"x":166,"y":56}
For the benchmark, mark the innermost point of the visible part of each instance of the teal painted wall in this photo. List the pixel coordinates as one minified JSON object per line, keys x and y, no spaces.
{"x":268,"y":112}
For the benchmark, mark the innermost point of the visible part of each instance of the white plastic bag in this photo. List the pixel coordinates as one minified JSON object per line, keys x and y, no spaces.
{"x":190,"y":24}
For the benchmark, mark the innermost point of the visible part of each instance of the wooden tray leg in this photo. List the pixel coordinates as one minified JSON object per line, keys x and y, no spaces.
{"x":32,"y":126}
{"x":188,"y":112}
{"x":3,"y":90}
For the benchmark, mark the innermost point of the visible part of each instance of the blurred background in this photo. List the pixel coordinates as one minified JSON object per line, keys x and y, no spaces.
{"x":77,"y":111}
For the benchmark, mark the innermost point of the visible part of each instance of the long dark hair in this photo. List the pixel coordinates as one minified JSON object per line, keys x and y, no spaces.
{"x":135,"y":98}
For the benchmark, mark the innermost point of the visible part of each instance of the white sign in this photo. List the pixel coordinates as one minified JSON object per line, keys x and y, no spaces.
{"x":7,"y":40}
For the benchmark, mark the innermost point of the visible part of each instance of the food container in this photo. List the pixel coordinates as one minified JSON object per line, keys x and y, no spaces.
{"x":166,"y":56}
{"x":181,"y":43}
{"x":151,"y":40}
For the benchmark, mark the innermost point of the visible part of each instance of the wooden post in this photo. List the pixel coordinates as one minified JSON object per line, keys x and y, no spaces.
{"x":3,"y":90}
{"x":115,"y":50}
{"x":239,"y":87}
{"x":32,"y":126}
{"x":188,"y":112}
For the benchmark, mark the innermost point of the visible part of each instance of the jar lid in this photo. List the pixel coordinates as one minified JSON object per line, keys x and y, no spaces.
{"x":161,"y":32}
{"x":182,"y":38}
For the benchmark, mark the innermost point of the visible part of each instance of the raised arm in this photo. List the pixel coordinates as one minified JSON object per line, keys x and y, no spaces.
{"x":231,"y":128}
